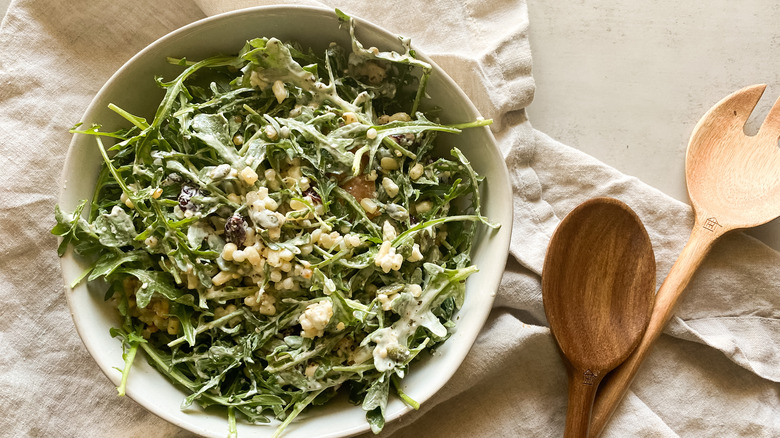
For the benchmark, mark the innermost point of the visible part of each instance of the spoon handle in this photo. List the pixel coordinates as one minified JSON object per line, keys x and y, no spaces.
{"x":582,"y":390}
{"x":616,"y":383}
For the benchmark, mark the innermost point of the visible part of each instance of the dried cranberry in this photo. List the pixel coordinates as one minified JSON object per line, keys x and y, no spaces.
{"x":404,"y":140}
{"x":311,"y":193}
{"x":235,"y":230}
{"x":185,"y":197}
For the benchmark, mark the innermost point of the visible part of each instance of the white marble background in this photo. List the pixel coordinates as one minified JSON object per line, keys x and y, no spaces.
{"x":626,"y":81}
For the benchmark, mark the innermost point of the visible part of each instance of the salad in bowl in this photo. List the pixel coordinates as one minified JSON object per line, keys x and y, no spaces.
{"x":283,"y":230}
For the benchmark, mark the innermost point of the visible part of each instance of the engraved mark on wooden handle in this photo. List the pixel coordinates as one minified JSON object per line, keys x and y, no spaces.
{"x":711,"y":223}
{"x":589,"y":377}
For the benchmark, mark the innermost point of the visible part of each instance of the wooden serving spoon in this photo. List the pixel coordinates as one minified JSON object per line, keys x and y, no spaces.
{"x":733,"y":182}
{"x":598,"y":283}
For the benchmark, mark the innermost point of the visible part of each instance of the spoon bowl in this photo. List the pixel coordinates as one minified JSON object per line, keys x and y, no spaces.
{"x":598,"y":283}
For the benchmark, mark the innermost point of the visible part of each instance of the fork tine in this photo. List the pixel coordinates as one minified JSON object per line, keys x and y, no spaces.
{"x":771,"y":124}
{"x":737,"y":106}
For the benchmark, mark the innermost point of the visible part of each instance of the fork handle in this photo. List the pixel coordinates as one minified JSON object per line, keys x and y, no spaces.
{"x":616,"y":383}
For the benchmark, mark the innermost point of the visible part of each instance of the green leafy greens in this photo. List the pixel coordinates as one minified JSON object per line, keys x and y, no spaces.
{"x":280,"y":230}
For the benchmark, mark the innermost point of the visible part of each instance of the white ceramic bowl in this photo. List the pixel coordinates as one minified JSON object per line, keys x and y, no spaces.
{"x":132,"y":88}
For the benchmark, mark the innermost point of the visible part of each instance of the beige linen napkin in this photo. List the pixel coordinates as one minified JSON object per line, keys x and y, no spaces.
{"x":715,"y":373}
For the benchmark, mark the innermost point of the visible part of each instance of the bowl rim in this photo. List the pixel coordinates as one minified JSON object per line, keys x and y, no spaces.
{"x":502,"y":177}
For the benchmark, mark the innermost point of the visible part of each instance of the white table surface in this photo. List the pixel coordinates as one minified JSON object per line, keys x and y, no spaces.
{"x":626,"y":81}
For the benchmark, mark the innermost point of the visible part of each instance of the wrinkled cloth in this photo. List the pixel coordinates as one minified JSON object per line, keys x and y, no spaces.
{"x":714,"y":372}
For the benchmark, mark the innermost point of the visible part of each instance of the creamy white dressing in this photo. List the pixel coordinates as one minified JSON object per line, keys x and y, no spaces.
{"x":291,"y":72}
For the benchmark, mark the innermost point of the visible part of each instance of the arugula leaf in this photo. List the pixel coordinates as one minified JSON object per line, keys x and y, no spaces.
{"x":109,"y":262}
{"x":152,"y":282}
{"x":130,"y":343}
{"x":70,"y":227}
{"x":115,"y":229}
{"x":375,"y":403}
{"x":212,"y":129}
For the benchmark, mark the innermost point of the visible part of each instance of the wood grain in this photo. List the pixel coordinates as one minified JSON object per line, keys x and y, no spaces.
{"x":598,"y":283}
{"x":733,"y":182}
